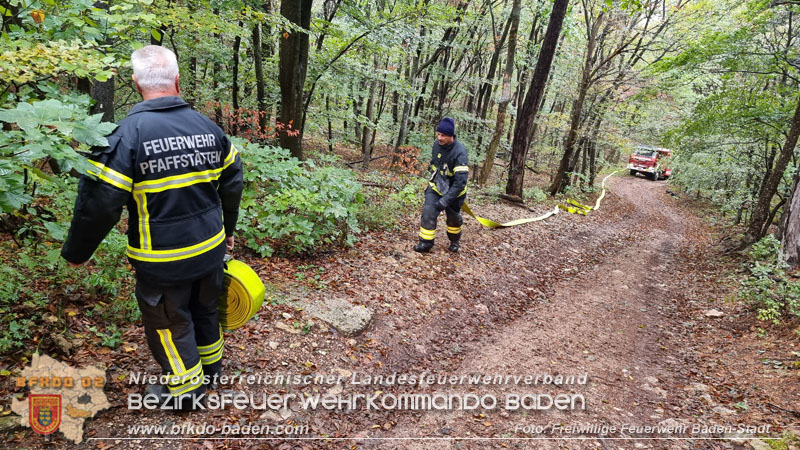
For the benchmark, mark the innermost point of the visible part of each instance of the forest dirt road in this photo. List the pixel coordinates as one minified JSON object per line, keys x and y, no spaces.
{"x":618,"y":322}
{"x":623,"y":296}
{"x":629,"y":321}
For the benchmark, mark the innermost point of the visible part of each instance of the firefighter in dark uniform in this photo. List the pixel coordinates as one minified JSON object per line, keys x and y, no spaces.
{"x":447,"y":187}
{"x":181,"y":179}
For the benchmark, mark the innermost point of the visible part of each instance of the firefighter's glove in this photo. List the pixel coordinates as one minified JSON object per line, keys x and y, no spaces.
{"x":440,"y":205}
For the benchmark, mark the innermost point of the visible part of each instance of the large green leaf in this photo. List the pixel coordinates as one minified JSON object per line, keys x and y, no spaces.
{"x":13,"y":200}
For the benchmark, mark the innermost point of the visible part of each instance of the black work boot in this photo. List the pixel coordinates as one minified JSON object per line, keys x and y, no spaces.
{"x":212,"y":373}
{"x":423,"y":246}
{"x":454,"y":239}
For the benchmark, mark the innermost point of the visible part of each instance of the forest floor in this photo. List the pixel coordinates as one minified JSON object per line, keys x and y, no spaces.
{"x":635,"y":295}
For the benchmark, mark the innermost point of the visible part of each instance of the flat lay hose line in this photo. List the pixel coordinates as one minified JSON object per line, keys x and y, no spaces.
{"x":572,"y":206}
{"x":492,"y":224}
{"x":243,"y":294}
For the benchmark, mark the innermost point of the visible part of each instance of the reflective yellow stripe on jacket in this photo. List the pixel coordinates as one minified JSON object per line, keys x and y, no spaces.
{"x":186,"y":179}
{"x":111,"y":176}
{"x":140,"y":198}
{"x":140,"y":191}
{"x":433,"y":186}
{"x":176,"y":254}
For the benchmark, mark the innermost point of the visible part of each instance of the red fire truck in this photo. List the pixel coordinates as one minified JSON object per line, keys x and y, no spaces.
{"x":650,"y":162}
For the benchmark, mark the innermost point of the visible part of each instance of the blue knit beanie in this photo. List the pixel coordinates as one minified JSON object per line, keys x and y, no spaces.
{"x":447,"y":126}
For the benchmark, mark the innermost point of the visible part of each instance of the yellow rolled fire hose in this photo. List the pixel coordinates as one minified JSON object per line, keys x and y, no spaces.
{"x":243,"y":294}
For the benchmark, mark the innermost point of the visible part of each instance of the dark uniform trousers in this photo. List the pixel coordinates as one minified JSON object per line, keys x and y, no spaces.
{"x":181,"y":323}
{"x":430,"y":214}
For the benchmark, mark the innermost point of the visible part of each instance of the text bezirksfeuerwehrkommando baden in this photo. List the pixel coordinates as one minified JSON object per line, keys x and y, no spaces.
{"x":375,"y":401}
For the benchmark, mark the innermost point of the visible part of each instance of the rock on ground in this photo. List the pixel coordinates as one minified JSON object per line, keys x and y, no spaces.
{"x":348,"y":319}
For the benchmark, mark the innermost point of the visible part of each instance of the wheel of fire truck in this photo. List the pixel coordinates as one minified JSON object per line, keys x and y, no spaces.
{"x":633,"y":172}
{"x":653,"y":176}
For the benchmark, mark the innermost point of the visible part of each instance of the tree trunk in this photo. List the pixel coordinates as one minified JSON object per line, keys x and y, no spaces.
{"x":772,"y":215}
{"x":369,"y":128}
{"x":330,"y":125}
{"x":329,"y":8}
{"x":215,"y":83}
{"x":593,"y":151}
{"x":237,"y":42}
{"x":395,"y":103}
{"x":380,"y":113}
{"x":402,"y":134}
{"x":561,"y":179}
{"x":102,"y":92}
{"x":159,"y":38}
{"x":469,"y":102}
{"x":522,"y":132}
{"x":293,"y":55}
{"x":191,"y":95}
{"x":761,"y":212}
{"x":416,"y":70}
{"x":522,"y":81}
{"x":268,"y":51}
{"x":748,"y":184}
{"x":485,"y":93}
{"x":506,"y":95}
{"x":103,"y":95}
{"x":357,"y":111}
{"x":582,"y":148}
{"x":421,"y":100}
{"x":261,"y":98}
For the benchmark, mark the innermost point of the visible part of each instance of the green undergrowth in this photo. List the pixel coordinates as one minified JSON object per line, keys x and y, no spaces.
{"x":768,"y":287}
{"x":786,"y":441}
{"x":389,"y":200}
{"x":294,"y":207}
{"x":38,"y":289}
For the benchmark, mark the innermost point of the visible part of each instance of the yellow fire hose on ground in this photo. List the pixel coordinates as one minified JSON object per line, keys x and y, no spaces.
{"x":572,"y":206}
{"x":243,"y":294}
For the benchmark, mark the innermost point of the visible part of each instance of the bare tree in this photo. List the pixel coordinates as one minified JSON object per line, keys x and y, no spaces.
{"x":505,"y":98}
{"x":759,"y":222}
{"x":524,"y":127}
{"x":292,"y":73}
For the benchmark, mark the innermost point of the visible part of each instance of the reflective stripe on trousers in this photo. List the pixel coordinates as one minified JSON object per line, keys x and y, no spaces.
{"x":430,"y":215}
{"x":181,"y":323}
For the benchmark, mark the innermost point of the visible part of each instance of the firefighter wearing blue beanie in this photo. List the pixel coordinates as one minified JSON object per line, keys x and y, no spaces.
{"x":447,"y":127}
{"x":447,"y":188}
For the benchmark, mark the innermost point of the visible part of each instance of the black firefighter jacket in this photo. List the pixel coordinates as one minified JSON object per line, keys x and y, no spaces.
{"x":449,"y":172}
{"x":181,"y":179}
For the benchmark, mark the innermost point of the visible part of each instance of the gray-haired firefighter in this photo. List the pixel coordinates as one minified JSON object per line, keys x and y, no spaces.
{"x":181,"y":180}
{"x":447,"y":187}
